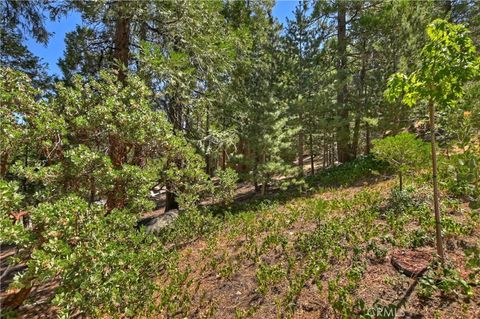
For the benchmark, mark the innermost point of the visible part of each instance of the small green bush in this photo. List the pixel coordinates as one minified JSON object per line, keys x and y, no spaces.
{"x":348,"y":173}
{"x":461,"y":176}
{"x":104,"y":265}
{"x":404,"y":152}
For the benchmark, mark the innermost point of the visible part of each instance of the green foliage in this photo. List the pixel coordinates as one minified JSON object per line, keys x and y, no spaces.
{"x":19,"y":105}
{"x":159,"y":94}
{"x":94,"y":140}
{"x":404,"y":152}
{"x":473,"y":263}
{"x":402,"y":200}
{"x":348,"y":173}
{"x":268,"y":275}
{"x":12,"y":231}
{"x":460,"y":175}
{"x":447,"y":281}
{"x":103,"y":264}
{"x":224,"y":191}
{"x":448,"y":61}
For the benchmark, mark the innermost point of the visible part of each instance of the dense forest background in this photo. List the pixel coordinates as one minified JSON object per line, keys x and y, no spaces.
{"x":186,"y":100}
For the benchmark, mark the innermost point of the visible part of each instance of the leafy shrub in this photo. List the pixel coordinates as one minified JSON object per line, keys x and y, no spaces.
{"x":268,"y":275}
{"x":461,"y":177}
{"x":348,"y":173}
{"x":224,"y":191}
{"x":103,"y":265}
{"x":446,"y":280}
{"x":407,"y":199}
{"x":404,"y":152}
{"x":95,"y":141}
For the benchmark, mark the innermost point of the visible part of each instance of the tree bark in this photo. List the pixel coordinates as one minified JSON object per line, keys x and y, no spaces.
{"x":3,"y":164}
{"x":436,"y":206}
{"x":325,"y":145}
{"x":117,"y":151}
{"x":264,"y":178}
{"x":343,"y":127}
{"x":93,"y":190}
{"x":400,"y":177}
{"x":170,"y":200}
{"x":367,"y":139}
{"x":300,"y":152}
{"x":356,"y":135}
{"x":208,"y":158}
{"x":15,"y":300}
{"x":117,"y":154}
{"x":122,"y":39}
{"x":312,"y":164}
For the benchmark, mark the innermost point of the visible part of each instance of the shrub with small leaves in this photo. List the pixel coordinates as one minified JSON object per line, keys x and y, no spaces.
{"x":103,"y":265}
{"x":404,"y":152}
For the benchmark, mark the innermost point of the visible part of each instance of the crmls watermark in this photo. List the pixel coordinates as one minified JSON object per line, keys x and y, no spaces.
{"x":385,"y":312}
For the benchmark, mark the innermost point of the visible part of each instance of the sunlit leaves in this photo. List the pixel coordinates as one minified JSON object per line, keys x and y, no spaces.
{"x":448,"y":61}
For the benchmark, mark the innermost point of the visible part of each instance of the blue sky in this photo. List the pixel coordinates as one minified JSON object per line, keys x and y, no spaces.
{"x":54,"y":49}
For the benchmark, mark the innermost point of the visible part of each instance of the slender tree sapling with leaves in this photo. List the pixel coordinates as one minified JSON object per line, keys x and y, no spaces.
{"x":448,"y":61}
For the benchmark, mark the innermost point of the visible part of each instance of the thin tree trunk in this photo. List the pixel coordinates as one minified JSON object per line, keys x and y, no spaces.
{"x":122,"y":39}
{"x":332,"y":151}
{"x":300,"y":152}
{"x":92,"y":190}
{"x":356,"y":135}
{"x":208,"y":159}
{"x":170,"y":200}
{"x":400,"y":177}
{"x":367,"y":139}
{"x":224,"y":158}
{"x":436,"y":206}
{"x":255,"y":173}
{"x":116,"y":197}
{"x":3,"y":164}
{"x":324,"y":151}
{"x":265,"y":179}
{"x":312,"y":164}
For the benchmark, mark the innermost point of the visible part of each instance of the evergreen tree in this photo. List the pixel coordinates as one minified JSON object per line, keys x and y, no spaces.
{"x":20,"y":19}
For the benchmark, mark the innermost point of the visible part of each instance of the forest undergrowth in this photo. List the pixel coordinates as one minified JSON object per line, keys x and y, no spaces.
{"x":324,"y":253}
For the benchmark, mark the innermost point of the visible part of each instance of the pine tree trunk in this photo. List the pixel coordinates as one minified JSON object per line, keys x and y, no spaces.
{"x":367,"y":139}
{"x":436,"y":204}
{"x":300,"y":152}
{"x":312,"y":164}
{"x":343,"y":127}
{"x":265,"y":179}
{"x":208,"y":159}
{"x":117,"y":151}
{"x":356,"y":135}
{"x":324,"y":151}
{"x":122,"y":39}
